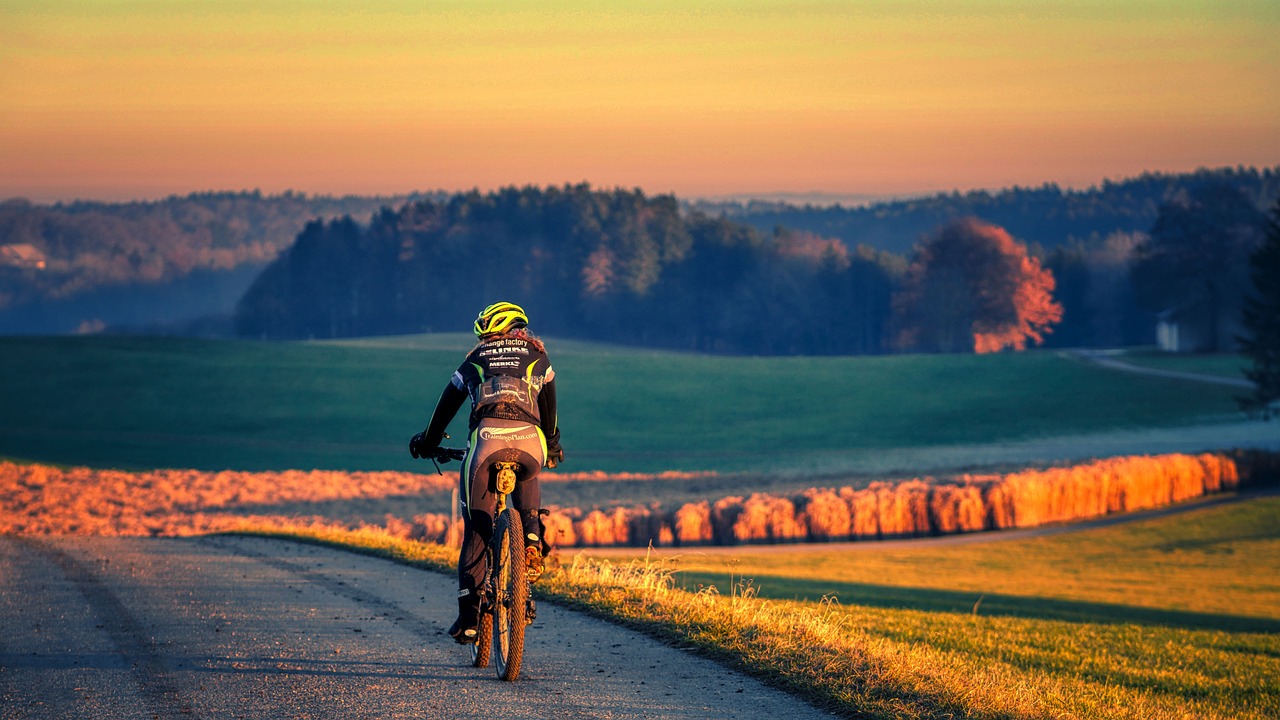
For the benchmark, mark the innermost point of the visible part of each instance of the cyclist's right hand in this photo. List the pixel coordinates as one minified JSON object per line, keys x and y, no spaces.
{"x":555,"y":455}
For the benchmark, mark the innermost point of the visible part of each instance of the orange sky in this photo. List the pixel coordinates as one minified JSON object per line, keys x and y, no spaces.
{"x":116,"y":99}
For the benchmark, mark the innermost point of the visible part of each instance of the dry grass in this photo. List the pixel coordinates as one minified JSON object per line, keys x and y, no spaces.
{"x":1174,"y":658}
{"x":922,"y":506}
{"x":824,"y":652}
{"x":43,"y":499}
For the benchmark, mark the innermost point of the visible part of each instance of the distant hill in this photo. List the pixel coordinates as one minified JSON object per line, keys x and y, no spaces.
{"x":86,"y":265}
{"x":163,"y":265}
{"x":1046,"y":216}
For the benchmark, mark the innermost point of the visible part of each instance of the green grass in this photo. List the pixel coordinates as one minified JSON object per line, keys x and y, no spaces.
{"x":1176,"y":612}
{"x":1216,"y":568}
{"x":161,"y":402}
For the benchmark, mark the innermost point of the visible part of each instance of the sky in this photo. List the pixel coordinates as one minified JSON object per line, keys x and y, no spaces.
{"x":119,"y":99}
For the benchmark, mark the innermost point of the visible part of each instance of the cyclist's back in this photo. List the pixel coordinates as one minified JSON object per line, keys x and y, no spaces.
{"x":511,"y":384}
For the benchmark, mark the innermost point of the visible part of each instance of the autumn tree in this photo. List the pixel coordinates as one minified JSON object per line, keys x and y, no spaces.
{"x":1261,"y":315}
{"x":971,"y":287}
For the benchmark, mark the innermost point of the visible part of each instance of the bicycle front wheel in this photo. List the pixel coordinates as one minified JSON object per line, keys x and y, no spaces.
{"x":511,"y":596}
{"x":484,"y":636}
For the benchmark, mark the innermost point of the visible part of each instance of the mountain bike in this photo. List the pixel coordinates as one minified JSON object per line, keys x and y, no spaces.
{"x":506,"y":606}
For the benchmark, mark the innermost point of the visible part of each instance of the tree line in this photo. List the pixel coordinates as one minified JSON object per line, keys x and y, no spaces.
{"x":619,"y":266}
{"x":1095,"y":267}
{"x":1045,"y":217}
{"x":615,"y":266}
{"x":87,"y":246}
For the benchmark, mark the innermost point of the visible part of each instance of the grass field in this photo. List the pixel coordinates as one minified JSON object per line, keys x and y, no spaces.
{"x":162,"y":402}
{"x":1170,"y":617}
{"x":1216,"y":568}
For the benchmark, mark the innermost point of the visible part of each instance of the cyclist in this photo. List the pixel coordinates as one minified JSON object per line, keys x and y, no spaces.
{"x":512,"y":388}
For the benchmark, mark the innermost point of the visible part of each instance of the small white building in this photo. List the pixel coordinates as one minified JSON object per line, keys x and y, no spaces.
{"x":1186,"y":328}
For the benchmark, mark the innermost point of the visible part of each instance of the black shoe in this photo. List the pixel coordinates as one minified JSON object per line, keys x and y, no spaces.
{"x":463,"y":634}
{"x":464,"y":630}
{"x":534,"y":565}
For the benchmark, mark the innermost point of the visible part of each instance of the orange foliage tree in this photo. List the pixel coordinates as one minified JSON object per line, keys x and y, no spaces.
{"x":972,"y":288}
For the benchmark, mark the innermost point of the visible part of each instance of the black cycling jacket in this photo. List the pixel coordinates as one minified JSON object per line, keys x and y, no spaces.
{"x":505,"y":377}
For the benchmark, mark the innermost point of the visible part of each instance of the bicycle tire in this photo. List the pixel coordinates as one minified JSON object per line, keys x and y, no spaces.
{"x":511,"y":595}
{"x":484,"y":636}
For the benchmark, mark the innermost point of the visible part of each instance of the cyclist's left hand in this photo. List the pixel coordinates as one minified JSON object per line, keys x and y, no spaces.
{"x":418,"y":446}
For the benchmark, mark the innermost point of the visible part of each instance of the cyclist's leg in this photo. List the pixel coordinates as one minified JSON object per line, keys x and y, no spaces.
{"x":523,"y":443}
{"x":477,"y":523}
{"x":527,"y":500}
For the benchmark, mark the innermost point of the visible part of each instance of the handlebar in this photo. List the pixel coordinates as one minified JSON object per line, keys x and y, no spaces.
{"x":445,"y":454}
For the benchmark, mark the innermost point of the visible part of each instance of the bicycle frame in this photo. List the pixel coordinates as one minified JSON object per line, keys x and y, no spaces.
{"x":505,"y":605}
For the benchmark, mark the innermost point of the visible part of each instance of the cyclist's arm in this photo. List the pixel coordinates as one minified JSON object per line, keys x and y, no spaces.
{"x":446,"y":407}
{"x":547,"y":410}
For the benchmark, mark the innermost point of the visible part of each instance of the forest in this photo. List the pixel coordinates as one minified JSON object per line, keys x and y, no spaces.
{"x":617,"y":265}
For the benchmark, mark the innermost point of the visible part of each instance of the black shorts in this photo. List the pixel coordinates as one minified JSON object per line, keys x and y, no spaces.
{"x":496,"y":440}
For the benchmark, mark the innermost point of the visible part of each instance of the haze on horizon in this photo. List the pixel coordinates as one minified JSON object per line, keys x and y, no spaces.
{"x":135,"y":100}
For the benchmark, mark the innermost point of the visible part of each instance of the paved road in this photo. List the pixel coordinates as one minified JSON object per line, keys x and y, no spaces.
{"x":225,"y":627}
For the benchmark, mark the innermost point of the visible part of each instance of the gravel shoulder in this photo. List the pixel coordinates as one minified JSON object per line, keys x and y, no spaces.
{"x":255,"y":627}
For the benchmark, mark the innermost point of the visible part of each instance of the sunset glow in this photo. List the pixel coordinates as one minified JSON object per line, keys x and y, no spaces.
{"x":117,"y":100}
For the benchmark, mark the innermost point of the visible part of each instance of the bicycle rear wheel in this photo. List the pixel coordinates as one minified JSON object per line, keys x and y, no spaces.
{"x":511,"y":594}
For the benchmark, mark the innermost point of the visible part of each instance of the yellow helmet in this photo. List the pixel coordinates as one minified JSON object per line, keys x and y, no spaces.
{"x":500,"y":317}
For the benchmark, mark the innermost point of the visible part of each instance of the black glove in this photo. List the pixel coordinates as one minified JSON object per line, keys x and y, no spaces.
{"x":418,"y":447}
{"x":555,"y":454}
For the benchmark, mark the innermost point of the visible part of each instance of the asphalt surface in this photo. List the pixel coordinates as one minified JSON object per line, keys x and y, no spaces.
{"x":238,"y":627}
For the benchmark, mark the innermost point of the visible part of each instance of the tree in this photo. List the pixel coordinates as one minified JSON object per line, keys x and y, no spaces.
{"x":1261,"y":317}
{"x":1196,"y":257}
{"x":972,"y":288}
{"x":1096,"y":293}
